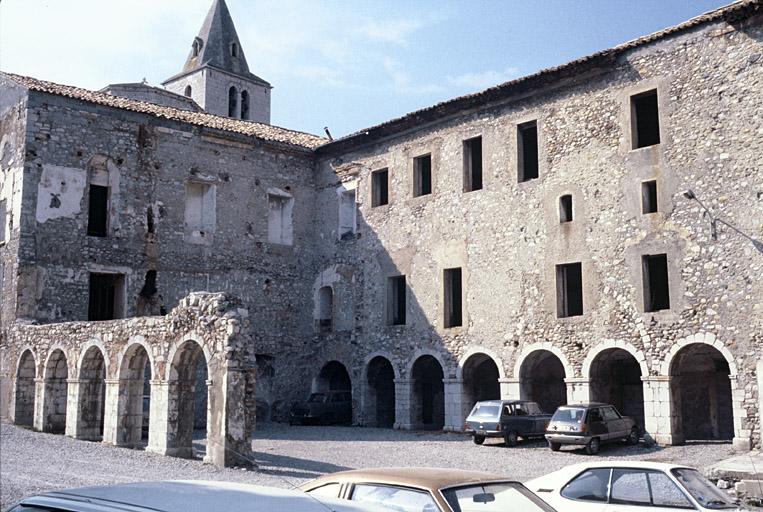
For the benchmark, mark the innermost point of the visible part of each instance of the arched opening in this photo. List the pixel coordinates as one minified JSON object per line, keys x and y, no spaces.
{"x":54,"y":403}
{"x":325,"y":309}
{"x":480,"y":381}
{"x":334,"y":383}
{"x":428,"y":407}
{"x":234,"y":50}
{"x":24,"y":403}
{"x":134,"y":396}
{"x":188,"y":91}
{"x":333,"y":377}
{"x":187,"y":398}
{"x":380,"y":395}
{"x":700,"y":391}
{"x":92,"y":395}
{"x":232,"y":102}
{"x":244,"y":105}
{"x":541,"y":379}
{"x":616,"y":379}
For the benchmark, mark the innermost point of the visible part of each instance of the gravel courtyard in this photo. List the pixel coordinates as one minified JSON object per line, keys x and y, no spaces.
{"x":32,"y":462}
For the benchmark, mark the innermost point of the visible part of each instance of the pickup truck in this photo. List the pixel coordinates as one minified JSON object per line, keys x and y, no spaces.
{"x":509,"y":419}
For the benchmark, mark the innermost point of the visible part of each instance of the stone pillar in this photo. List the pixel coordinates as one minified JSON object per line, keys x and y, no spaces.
{"x":659,"y":411}
{"x":454,"y":413}
{"x":742,"y":437}
{"x":111,"y":417}
{"x":578,"y":390}
{"x":73,"y":400}
{"x":403,"y":409}
{"x":509,"y":389}
{"x":229,"y":428}
{"x":39,"y":405}
{"x":158,"y":417}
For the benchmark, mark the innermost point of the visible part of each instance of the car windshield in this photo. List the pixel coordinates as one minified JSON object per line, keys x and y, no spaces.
{"x":486,"y":411}
{"x":316,"y":398}
{"x":706,"y":494}
{"x":499,"y":497}
{"x":569,"y":415}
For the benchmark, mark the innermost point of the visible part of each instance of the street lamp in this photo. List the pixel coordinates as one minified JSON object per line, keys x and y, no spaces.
{"x":714,"y":221}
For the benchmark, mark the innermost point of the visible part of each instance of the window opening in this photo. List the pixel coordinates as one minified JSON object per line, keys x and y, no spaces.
{"x":527,"y":151}
{"x":422,"y":175}
{"x":645,"y":119}
{"x":379,"y":187}
{"x":569,"y":290}
{"x":453,"y":294}
{"x":656,"y":288}
{"x":473,"y":164}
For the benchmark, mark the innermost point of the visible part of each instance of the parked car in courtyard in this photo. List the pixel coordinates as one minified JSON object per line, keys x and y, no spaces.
{"x":428,"y":490}
{"x":326,"y":407}
{"x":508,"y":419}
{"x":184,"y":496}
{"x":590,"y":425}
{"x":630,"y":486}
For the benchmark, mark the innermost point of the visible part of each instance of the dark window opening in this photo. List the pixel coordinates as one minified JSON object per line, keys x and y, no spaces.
{"x":150,"y":226}
{"x":97,"y":213}
{"x":396,"y":300}
{"x":149,"y":285}
{"x":232,"y":101}
{"x":569,"y":290}
{"x":527,"y":151}
{"x":452,"y":285}
{"x":234,"y":50}
{"x":105,"y":298}
{"x":422,"y":175}
{"x":379,"y":187}
{"x":188,"y":91}
{"x":473,"y":164}
{"x":656,"y":289}
{"x":649,"y":196}
{"x":245,"y":105}
{"x":325,"y":309}
{"x":565,"y":208}
{"x":645,"y":120}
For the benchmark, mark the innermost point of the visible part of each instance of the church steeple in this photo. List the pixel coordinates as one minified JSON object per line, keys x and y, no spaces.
{"x":216,"y":74}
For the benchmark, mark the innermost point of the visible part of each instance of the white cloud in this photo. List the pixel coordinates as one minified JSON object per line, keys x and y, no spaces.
{"x":482,"y":80}
{"x":390,"y":31}
{"x":401,"y":80}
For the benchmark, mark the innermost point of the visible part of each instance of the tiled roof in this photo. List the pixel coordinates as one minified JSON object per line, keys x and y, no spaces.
{"x":260,"y":131}
{"x":739,"y":9}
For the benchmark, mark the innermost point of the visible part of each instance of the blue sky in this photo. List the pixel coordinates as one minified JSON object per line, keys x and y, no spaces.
{"x":342,"y":64}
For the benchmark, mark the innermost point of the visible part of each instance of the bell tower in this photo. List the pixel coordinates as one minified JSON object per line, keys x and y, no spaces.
{"x":216,"y":75}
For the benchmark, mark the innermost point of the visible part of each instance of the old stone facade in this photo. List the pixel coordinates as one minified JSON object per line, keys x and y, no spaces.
{"x":535,"y":240}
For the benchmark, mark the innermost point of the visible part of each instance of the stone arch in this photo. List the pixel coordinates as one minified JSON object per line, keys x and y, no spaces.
{"x":703,"y":378}
{"x":385,"y":355}
{"x":135,"y":372}
{"x":91,"y":392}
{"x":480,"y":350}
{"x":245,"y":105}
{"x":638,"y":355}
{"x":232,"y":101}
{"x":188,"y":91}
{"x":479,"y":373}
{"x":55,"y":392}
{"x":338,"y":278}
{"x":333,"y":376}
{"x":379,"y":398}
{"x":187,"y":394}
{"x":425,"y":352}
{"x":24,"y":390}
{"x":541,"y":374}
{"x":427,"y":393}
{"x":615,"y":377}
{"x":101,"y":347}
{"x":569,"y":372}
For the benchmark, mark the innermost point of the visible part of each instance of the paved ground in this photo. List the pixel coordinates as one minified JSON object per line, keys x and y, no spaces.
{"x":32,"y":462}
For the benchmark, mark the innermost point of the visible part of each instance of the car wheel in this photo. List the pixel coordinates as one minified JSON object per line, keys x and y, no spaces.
{"x":554,"y":446}
{"x":478,"y":439}
{"x":633,"y":436}
{"x":511,"y":438}
{"x":592,"y":448}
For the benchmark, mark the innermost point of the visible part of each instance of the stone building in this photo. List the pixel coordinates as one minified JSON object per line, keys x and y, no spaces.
{"x":534,"y":240}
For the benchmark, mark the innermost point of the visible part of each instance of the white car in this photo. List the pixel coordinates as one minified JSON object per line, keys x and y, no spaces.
{"x":623,"y":486}
{"x":185,"y":496}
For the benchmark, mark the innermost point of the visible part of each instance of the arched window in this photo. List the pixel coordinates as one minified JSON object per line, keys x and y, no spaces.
{"x":197,"y":44}
{"x":244,"y":105}
{"x":325,"y":309}
{"x":232,"y":102}
{"x":188,"y":91}
{"x":234,"y":50}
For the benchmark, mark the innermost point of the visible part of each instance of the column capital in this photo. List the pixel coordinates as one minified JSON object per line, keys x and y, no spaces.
{"x":76,"y":381}
{"x":403,"y":381}
{"x":508,"y":381}
{"x":577,"y":380}
{"x":452,"y":381}
{"x":655,"y":378}
{"x":111,"y":382}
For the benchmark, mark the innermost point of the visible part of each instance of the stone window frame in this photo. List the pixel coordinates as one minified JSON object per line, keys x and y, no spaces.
{"x":513,"y":146}
{"x":590,"y":283}
{"x":288,"y":201}
{"x":368,"y":186}
{"x":433,"y":148}
{"x":634,"y":261}
{"x":188,"y":236}
{"x":467,"y":136}
{"x":122,"y":302}
{"x":351,"y":185}
{"x":661,"y":85}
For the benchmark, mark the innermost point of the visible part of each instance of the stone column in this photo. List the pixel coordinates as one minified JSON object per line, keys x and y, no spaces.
{"x":38,"y":423}
{"x":578,"y":390}
{"x":158,"y":417}
{"x":658,"y":411}
{"x":403,"y":409}
{"x":228,"y":427}
{"x":73,"y":400}
{"x":454,"y":418}
{"x":111,"y":407}
{"x":509,"y":389}
{"x":742,"y":437}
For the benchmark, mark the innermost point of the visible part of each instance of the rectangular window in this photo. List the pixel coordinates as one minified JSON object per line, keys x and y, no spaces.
{"x":655,"y":277}
{"x":569,"y":290}
{"x":422,"y":175}
{"x":379,"y":187}
{"x":280,"y":219}
{"x":473,"y":164}
{"x":645,"y":119}
{"x":97,"y":210}
{"x":347,"y":208}
{"x":106,"y":299}
{"x":452,"y":286}
{"x":200,"y":215}
{"x":649,"y":196}
{"x":565,"y":208}
{"x":527,"y":151}
{"x":396,"y":300}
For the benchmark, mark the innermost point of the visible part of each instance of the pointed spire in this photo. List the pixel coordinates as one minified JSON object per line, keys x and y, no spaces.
{"x":217,"y":43}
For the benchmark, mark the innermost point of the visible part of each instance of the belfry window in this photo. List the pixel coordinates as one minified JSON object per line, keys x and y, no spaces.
{"x":232,"y":102}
